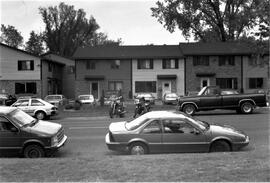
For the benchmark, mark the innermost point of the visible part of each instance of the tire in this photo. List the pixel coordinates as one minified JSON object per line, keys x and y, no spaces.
{"x":189,"y":109}
{"x":40,"y":115}
{"x":138,"y":148}
{"x":33,"y":151}
{"x":246,"y":108}
{"x":220,"y":146}
{"x":111,"y":113}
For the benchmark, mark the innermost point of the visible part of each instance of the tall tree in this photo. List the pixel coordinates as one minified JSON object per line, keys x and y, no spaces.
{"x":11,"y":36}
{"x":67,"y":28}
{"x":221,"y":20}
{"x":35,"y":43}
{"x":102,"y":39}
{"x":264,"y":20}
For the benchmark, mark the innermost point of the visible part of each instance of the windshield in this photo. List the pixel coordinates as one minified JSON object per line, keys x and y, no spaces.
{"x":202,"y":91}
{"x":86,"y":97}
{"x":20,"y":117}
{"x":136,"y":123}
{"x":200,"y":124}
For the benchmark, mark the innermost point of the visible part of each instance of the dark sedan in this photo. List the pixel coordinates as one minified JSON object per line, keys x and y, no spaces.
{"x":168,"y":131}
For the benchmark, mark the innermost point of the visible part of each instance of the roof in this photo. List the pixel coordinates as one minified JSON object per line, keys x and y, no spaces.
{"x":128,"y":52}
{"x":162,"y":114}
{"x":19,"y":50}
{"x":5,"y":109}
{"x":215,"y":48}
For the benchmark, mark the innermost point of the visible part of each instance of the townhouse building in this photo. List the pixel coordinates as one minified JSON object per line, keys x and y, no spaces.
{"x":129,"y":70}
{"x":228,"y":65}
{"x":22,"y":73}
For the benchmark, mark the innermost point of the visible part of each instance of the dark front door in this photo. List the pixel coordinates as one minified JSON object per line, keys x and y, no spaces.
{"x":210,"y":99}
{"x":94,"y":89}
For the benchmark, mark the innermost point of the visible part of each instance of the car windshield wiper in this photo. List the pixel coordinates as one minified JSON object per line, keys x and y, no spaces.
{"x":34,"y":122}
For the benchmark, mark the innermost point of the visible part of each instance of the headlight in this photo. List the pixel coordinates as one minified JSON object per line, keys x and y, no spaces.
{"x":247,"y":139}
{"x":54,"y":141}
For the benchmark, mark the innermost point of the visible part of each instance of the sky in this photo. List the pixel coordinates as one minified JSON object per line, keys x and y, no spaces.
{"x":129,"y":20}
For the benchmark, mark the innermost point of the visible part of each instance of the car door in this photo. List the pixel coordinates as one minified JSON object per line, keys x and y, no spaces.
{"x":10,"y":135}
{"x":210,"y":99}
{"x":22,"y":104}
{"x":34,"y":106}
{"x":152,"y":134}
{"x":181,"y":136}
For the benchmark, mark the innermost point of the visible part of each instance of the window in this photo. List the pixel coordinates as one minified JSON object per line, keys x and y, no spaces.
{"x":145,"y":86}
{"x":226,"y":60}
{"x":201,"y":60}
{"x":26,"y":87}
{"x":90,"y":64}
{"x":36,"y":103}
{"x":145,"y":64}
{"x":50,"y":67}
{"x":170,"y":63}
{"x":255,"y":83}
{"x":115,"y":64}
{"x":115,"y":85}
{"x":25,"y":65}
{"x":152,"y":127}
{"x":256,"y":60}
{"x":227,"y":83}
{"x":5,"y":125}
{"x":177,"y":126}
{"x":71,"y":69}
{"x":22,"y":103}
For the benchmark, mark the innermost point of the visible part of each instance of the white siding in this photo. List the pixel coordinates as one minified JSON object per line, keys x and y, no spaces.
{"x":151,"y":74}
{"x":9,"y":65}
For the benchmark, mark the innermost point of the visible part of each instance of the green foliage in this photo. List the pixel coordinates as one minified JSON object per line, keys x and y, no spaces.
{"x":35,"y":44}
{"x":209,"y":20}
{"x":11,"y":36}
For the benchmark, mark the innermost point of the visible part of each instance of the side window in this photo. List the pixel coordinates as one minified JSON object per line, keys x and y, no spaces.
{"x":21,"y":103}
{"x":177,"y":126}
{"x":5,"y":125}
{"x":36,"y":103}
{"x":153,"y":127}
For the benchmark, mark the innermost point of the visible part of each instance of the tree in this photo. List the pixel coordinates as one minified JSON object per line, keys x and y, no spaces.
{"x":102,"y":39}
{"x":35,"y":43}
{"x":264,"y":20}
{"x":67,"y":28}
{"x":11,"y":36}
{"x":206,"y":20}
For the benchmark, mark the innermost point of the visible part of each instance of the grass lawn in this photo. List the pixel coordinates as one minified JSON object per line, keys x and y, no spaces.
{"x":241,"y":166}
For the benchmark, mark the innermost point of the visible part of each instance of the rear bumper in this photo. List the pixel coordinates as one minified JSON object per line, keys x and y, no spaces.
{"x":115,"y":146}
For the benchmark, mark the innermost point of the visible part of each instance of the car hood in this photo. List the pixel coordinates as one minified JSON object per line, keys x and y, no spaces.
{"x":118,"y":127}
{"x":225,"y":130}
{"x":45,"y":128}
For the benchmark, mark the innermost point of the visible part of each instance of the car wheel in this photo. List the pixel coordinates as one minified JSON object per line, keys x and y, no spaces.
{"x":220,"y":146}
{"x":246,"y":108}
{"x":33,"y":151}
{"x":189,"y":109}
{"x":138,"y":148}
{"x":40,"y":115}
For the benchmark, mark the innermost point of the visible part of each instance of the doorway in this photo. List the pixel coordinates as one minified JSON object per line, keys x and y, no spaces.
{"x":94,"y":90}
{"x":205,"y":82}
{"x":166,"y":87}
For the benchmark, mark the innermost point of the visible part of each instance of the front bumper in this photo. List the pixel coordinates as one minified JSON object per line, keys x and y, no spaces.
{"x":238,"y":145}
{"x":58,"y":145}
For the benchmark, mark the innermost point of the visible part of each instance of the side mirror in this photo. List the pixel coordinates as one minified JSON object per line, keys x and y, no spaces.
{"x":195,"y":131}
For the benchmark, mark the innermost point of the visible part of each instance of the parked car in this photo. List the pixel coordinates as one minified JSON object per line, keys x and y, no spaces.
{"x":6,"y":99}
{"x":147,"y":96}
{"x":87,"y":99}
{"x":211,"y":97}
{"x":172,"y":131}
{"x":36,"y":107}
{"x":56,"y":99}
{"x":170,"y":98}
{"x":30,"y":137}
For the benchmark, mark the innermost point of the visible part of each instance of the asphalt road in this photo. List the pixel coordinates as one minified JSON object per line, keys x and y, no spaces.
{"x":87,"y":134}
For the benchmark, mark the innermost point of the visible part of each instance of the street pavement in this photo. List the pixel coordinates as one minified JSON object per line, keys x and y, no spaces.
{"x":87,"y":134}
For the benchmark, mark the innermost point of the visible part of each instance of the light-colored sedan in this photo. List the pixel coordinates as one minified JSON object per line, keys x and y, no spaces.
{"x":55,"y":99}
{"x":170,"y":98}
{"x":86,"y":99}
{"x":36,"y":107}
{"x":171,"y":131}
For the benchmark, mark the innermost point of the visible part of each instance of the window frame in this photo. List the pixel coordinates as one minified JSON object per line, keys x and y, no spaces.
{"x":228,"y":81}
{"x":256,"y":83}
{"x":143,"y":85}
{"x":167,"y":63}
{"x":26,"y":86}
{"x":201,"y":60}
{"x":90,"y":65}
{"x":141,"y":64}
{"x":226,"y":60}
{"x":23,"y":66}
{"x":115,"y":64}
{"x":114,"y":85}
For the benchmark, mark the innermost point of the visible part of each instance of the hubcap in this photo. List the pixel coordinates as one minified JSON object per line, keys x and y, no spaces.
{"x":40,"y":116}
{"x":247,"y":108}
{"x":137,"y":150}
{"x":34,"y":154}
{"x":189,"y":110}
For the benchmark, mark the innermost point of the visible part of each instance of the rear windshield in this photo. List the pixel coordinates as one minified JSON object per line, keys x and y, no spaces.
{"x":132,"y":125}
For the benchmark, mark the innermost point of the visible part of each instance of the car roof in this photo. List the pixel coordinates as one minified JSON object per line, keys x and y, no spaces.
{"x":166,"y":114}
{"x":6,"y":109}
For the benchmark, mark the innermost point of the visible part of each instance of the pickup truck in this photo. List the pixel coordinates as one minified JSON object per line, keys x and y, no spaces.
{"x":212,"y":97}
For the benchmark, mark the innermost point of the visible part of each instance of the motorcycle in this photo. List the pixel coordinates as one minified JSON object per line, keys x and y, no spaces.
{"x":141,"y":109}
{"x":117,"y":108}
